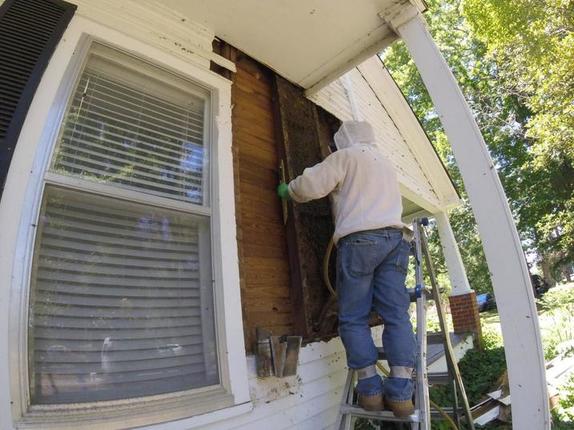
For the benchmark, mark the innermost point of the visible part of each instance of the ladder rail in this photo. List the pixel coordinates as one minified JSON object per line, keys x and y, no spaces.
{"x":449,"y":352}
{"x":422,"y":401}
{"x":342,"y":419}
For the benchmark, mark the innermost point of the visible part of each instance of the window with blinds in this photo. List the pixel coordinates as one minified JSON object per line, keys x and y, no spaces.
{"x":135,"y":131}
{"x":121,"y":301}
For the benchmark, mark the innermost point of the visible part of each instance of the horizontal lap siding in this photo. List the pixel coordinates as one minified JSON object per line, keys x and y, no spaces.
{"x":308,"y":401}
{"x":333,"y":98}
{"x":263,"y":264}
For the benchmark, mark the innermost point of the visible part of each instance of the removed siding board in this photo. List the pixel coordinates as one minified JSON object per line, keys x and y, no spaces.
{"x":334,"y":99}
{"x":263,"y":264}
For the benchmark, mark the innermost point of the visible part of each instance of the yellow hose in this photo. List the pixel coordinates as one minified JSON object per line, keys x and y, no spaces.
{"x":326,"y":260}
{"x":444,"y":415}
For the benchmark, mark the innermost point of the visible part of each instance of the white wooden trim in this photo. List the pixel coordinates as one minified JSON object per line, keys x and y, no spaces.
{"x":390,"y":95}
{"x":158,"y":25}
{"x":510,"y":277}
{"x":110,"y":190}
{"x":425,"y":203}
{"x":20,"y":205}
{"x":203,"y":420}
{"x":414,"y":185}
{"x":419,"y":214}
{"x":456,"y":271}
{"x":225,"y":258}
{"x":374,"y":49}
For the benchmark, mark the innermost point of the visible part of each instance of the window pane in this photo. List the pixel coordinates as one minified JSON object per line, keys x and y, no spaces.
{"x":134,"y":125}
{"x":121,"y":301}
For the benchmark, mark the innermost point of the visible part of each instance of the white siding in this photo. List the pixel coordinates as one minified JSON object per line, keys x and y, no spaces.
{"x":150,"y":22}
{"x":413,"y":179}
{"x":308,"y":401}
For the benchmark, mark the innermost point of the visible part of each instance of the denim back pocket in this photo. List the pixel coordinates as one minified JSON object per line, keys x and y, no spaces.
{"x":359,"y":255}
{"x":361,"y":241}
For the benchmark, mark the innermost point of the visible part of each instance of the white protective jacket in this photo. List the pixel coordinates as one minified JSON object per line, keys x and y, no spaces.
{"x":364,"y":184}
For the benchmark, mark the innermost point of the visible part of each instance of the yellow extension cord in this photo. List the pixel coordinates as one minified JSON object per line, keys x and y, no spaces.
{"x":327,"y":282}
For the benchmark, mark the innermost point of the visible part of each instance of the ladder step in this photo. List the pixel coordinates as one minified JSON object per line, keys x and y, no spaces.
{"x":449,"y":410}
{"x":439,"y":378}
{"x":379,"y":415}
{"x":435,"y":338}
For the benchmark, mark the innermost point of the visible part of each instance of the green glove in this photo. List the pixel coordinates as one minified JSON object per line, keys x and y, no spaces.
{"x":283,"y":191}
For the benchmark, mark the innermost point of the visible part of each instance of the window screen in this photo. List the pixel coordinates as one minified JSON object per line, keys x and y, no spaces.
{"x":121,"y":301}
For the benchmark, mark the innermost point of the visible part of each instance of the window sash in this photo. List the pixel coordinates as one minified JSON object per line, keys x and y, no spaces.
{"x":121,"y":293}
{"x":98,"y":143}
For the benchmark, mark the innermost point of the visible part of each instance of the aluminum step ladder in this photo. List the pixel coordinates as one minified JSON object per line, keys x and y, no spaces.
{"x":421,"y":418}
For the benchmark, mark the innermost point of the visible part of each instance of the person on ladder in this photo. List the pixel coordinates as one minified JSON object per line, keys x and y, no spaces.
{"x":372,"y":260}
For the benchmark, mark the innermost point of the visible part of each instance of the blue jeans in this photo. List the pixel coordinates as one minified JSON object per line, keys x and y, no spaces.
{"x":371,"y":272}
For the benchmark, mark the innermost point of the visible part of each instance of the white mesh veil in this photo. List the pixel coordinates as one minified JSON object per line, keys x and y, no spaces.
{"x":354,"y":132}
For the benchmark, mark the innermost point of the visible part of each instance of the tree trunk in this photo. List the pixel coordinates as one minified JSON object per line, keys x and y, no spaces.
{"x":546,"y":264}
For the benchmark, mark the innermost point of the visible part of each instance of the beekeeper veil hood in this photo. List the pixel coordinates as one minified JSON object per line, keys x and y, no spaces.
{"x":353,"y":133}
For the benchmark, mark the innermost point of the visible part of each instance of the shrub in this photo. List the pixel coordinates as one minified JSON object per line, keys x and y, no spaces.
{"x":566,"y":408}
{"x":480,"y":370}
{"x":558,"y":306}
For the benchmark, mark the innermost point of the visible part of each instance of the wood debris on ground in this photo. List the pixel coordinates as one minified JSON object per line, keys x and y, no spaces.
{"x":497,"y":404}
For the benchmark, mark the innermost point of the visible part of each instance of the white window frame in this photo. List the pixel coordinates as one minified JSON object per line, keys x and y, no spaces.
{"x":19,"y":210}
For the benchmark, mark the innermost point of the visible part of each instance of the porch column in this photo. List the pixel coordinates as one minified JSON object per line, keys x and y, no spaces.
{"x":462,"y":300}
{"x":503,"y":250}
{"x":456,"y":271}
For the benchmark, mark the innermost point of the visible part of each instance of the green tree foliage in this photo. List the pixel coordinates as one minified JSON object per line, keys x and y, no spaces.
{"x":532,"y":41}
{"x":525,"y":119}
{"x":453,"y":37}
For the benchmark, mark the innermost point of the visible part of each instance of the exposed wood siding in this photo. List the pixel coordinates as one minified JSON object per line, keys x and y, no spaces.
{"x":264,"y":267}
{"x":309,"y":226}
